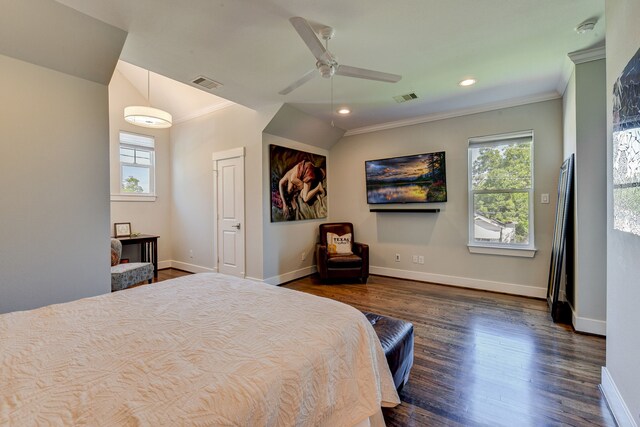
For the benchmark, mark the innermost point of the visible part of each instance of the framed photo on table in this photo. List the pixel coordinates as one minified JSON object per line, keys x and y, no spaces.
{"x":122,"y":229}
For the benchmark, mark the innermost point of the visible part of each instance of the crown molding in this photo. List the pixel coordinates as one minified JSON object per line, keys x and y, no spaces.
{"x":203,"y":111}
{"x":456,"y":113}
{"x":588,"y":55}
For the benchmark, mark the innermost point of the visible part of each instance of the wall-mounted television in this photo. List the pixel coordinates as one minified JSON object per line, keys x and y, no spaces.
{"x":420,"y":178}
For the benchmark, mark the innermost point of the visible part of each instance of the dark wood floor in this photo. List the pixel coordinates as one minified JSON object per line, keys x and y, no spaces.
{"x":481,"y":358}
{"x":169,"y":273}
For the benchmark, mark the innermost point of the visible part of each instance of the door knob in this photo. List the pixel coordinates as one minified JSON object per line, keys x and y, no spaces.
{"x":236,"y":226}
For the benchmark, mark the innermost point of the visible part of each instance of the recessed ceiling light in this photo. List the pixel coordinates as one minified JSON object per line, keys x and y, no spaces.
{"x":344,"y":111}
{"x":467,"y":82}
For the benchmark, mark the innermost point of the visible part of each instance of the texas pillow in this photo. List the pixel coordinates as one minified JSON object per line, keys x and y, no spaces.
{"x":339,"y":245}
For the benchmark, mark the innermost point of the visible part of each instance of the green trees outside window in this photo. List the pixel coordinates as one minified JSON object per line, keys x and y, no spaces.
{"x":501,"y":188}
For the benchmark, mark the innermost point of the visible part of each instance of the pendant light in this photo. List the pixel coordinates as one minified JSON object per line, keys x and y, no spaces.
{"x":148,"y":117}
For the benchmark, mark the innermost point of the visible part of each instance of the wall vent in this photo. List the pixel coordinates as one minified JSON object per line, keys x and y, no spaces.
{"x":407,"y":97}
{"x":206,"y":82}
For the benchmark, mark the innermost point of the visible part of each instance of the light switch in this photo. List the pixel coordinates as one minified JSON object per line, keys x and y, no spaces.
{"x":544,"y":198}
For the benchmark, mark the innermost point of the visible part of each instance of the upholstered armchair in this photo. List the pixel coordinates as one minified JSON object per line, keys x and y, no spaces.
{"x":128,"y":274}
{"x":339,"y":256}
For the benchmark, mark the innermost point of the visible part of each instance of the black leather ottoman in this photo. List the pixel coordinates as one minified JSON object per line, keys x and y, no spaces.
{"x":396,"y":337}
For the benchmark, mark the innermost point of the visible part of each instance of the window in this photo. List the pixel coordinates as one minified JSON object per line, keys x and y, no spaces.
{"x":137,"y":172}
{"x":501,"y":193}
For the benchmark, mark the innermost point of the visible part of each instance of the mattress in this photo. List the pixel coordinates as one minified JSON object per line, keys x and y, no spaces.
{"x":205,"y":349}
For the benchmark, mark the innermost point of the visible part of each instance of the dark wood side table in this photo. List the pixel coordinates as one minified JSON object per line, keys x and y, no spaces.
{"x":148,"y":248}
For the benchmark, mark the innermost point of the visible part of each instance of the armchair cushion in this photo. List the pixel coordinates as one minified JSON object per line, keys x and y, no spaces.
{"x":115,"y":258}
{"x":344,"y":261}
{"x":126,"y":275}
{"x":116,"y":251}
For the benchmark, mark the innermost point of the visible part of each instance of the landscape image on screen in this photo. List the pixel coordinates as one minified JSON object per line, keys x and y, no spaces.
{"x":419,"y":178}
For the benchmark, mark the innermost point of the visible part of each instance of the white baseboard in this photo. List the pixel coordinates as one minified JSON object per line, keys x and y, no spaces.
{"x":191,"y":268}
{"x":292,"y":275}
{"x":164,"y":264}
{"x":589,"y":326}
{"x":464,"y":282}
{"x":620,"y":411}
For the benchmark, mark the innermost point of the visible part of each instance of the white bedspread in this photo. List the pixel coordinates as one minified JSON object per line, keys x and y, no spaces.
{"x":207,"y":349}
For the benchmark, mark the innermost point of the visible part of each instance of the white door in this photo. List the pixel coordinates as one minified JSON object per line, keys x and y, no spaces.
{"x":230,"y":213}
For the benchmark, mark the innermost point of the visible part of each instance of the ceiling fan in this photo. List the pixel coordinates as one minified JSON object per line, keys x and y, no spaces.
{"x":327,"y":63}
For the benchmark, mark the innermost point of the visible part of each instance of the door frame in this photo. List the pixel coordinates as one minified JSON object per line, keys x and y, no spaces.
{"x":216,"y":157}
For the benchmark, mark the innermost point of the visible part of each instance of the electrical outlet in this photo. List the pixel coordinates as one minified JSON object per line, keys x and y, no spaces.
{"x":303,"y":256}
{"x":397,"y":257}
{"x":415,"y":259}
{"x":421,"y":259}
{"x":190,"y":253}
{"x":544,"y":198}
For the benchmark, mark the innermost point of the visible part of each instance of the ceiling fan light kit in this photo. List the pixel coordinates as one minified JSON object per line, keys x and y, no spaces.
{"x":326,"y":70}
{"x":326,"y":63}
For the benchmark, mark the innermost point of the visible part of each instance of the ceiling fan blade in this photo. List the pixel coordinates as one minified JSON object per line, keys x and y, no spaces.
{"x":302,"y":80}
{"x":363,"y":73}
{"x":309,"y":37}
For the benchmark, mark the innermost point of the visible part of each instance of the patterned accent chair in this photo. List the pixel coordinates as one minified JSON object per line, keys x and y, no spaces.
{"x":127,"y":274}
{"x":352,"y":265}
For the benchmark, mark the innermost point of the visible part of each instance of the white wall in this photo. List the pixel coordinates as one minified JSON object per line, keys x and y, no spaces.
{"x":147,"y":217}
{"x":54,"y":187}
{"x":285,"y":242}
{"x":442,"y":237}
{"x":623,"y":249}
{"x":193,"y":208}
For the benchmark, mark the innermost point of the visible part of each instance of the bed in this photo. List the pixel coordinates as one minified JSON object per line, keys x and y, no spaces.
{"x":204,"y":349}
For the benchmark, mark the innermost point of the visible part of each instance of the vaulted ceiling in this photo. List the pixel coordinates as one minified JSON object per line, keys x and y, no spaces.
{"x":516,"y":49}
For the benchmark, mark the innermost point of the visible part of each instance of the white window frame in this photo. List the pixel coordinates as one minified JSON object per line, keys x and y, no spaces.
{"x":137,"y":142}
{"x":509,"y":249}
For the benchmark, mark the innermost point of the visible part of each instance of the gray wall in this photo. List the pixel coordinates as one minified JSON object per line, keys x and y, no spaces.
{"x":289,"y":247}
{"x":590,"y":201}
{"x":442,"y":237}
{"x":567,"y":290}
{"x":192,"y":207}
{"x":285,"y":242}
{"x":623,"y":249}
{"x":54,"y":185}
{"x":585,"y":129}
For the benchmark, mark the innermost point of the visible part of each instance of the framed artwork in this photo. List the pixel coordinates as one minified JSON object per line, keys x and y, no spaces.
{"x":626,"y":148}
{"x":298,"y":184}
{"x":122,"y":229}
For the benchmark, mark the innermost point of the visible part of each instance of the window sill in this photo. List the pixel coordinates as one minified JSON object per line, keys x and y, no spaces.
{"x":133,"y":198}
{"x":492,"y":250}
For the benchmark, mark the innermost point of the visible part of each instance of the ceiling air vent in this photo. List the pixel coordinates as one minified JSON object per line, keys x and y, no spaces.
{"x":206,"y":83}
{"x":407,"y":97}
